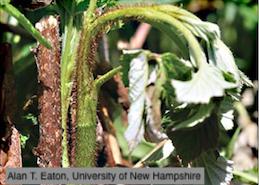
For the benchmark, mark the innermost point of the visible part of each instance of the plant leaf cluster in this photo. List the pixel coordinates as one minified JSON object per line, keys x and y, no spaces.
{"x":196,"y":96}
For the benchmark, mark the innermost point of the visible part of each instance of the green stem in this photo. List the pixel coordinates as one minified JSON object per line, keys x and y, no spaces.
{"x":87,"y":88}
{"x":11,"y":10}
{"x":91,"y":9}
{"x":87,"y":101}
{"x":247,"y":176}
{"x":68,"y":58}
{"x":152,"y":15}
{"x":107,"y":76}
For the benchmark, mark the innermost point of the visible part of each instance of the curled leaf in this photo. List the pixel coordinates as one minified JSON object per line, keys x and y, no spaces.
{"x":138,"y":77}
{"x":207,"y":83}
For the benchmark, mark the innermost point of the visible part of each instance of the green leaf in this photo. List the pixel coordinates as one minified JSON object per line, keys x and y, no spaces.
{"x":195,"y":116}
{"x":176,"y":68}
{"x":198,"y":139}
{"x":11,"y":10}
{"x":207,"y":83}
{"x":125,"y":60}
{"x":217,"y":169}
{"x":138,"y":78}
{"x":173,"y":68}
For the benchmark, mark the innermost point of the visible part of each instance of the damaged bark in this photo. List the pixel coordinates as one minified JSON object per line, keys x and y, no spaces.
{"x":48,"y":62}
{"x":10,"y":147}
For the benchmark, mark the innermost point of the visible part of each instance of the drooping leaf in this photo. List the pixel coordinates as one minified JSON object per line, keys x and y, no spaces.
{"x":176,"y":37}
{"x":138,"y":78}
{"x":126,"y":58}
{"x":11,"y":10}
{"x":199,"y":28}
{"x":198,"y":139}
{"x":204,"y":30}
{"x":222,"y":57}
{"x":218,"y":170}
{"x":207,"y":83}
{"x":195,"y":116}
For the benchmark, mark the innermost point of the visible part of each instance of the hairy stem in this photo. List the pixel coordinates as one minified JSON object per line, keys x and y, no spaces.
{"x":91,"y":8}
{"x":107,"y":76}
{"x":88,"y":88}
{"x":70,"y":43}
{"x":152,"y":15}
{"x":87,"y":101}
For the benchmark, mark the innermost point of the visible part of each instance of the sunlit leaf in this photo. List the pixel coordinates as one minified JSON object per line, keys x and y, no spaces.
{"x":218,"y":170}
{"x":138,"y":78}
{"x":126,"y":58}
{"x":222,"y":57}
{"x":207,"y":83}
